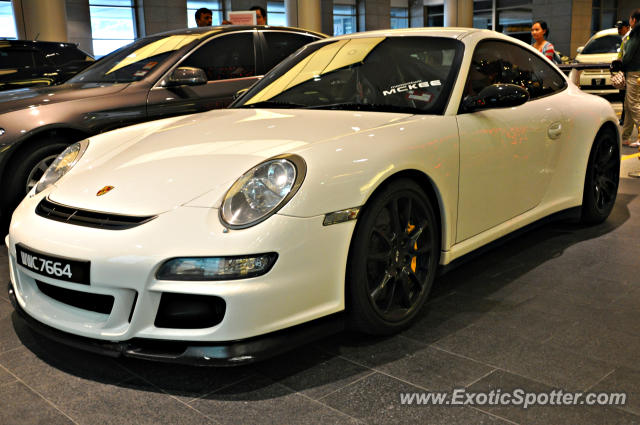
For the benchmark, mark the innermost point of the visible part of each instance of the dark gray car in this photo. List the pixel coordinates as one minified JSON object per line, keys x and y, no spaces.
{"x":172,"y":73}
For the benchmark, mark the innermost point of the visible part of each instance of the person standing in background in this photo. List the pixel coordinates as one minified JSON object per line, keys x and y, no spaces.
{"x":631,"y":68}
{"x":261,"y":15}
{"x":204,"y":17}
{"x":623,"y":31}
{"x":539,"y":33}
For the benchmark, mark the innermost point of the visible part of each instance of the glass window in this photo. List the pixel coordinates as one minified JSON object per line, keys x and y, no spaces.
{"x":282,"y":44}
{"x":606,"y":44}
{"x":482,"y":14}
{"x":516,"y":22}
{"x":276,"y":13}
{"x":603,"y":14}
{"x":225,"y":57}
{"x":344,"y":19}
{"x":501,"y":62}
{"x":16,"y":58}
{"x":134,"y":61}
{"x":394,"y":74}
{"x":435,"y":16}
{"x":112,"y":25}
{"x":399,"y":17}
{"x":64,"y":55}
{"x":193,"y":6}
{"x":7,"y":23}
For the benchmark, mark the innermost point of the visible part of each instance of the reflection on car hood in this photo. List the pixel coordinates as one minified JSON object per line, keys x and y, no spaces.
{"x":160,"y":165}
{"x":12,"y":100}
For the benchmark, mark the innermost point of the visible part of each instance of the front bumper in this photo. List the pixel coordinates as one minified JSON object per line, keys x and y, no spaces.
{"x":306,"y":282}
{"x":231,"y":353}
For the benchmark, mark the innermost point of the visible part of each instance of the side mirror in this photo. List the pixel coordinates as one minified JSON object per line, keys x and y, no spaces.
{"x":496,"y":96}
{"x":580,"y":49}
{"x":187,"y":76}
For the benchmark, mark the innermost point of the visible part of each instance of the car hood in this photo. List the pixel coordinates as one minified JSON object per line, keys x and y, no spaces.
{"x":596,"y":57}
{"x":13,"y":100}
{"x":158,"y":166}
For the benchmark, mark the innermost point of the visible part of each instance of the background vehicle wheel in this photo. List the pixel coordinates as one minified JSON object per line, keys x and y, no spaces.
{"x":601,"y":180}
{"x":393,"y":258}
{"x":26,"y":169}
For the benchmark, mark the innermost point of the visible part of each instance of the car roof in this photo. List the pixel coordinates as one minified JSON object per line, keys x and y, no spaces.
{"x":220,"y":29}
{"x":4,"y":42}
{"x":602,"y":33}
{"x":448,"y":32}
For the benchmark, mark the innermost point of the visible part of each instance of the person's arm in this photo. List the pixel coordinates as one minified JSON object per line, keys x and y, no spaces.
{"x":548,"y":50}
{"x":630,"y":46}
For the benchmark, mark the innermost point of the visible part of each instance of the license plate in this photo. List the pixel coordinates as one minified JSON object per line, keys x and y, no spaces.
{"x":53,"y":267}
{"x":597,"y":81}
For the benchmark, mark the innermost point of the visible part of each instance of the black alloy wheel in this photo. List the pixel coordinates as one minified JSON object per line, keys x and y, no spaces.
{"x":393,"y":259}
{"x":602,"y":179}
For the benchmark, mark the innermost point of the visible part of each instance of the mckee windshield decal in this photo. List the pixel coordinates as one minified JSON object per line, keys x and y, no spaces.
{"x":413,"y":85}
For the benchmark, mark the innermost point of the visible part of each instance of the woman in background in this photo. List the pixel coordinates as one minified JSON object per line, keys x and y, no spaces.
{"x":539,"y":32}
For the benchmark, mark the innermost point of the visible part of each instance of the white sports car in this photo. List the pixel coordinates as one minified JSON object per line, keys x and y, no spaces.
{"x":329,"y":193}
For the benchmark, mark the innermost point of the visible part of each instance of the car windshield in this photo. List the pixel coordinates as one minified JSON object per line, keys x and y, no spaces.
{"x":606,"y":44}
{"x":134,"y":61}
{"x":391,"y":74}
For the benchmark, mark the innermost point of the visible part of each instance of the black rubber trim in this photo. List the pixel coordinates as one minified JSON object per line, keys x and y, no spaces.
{"x":87,"y":218}
{"x":226,"y":353}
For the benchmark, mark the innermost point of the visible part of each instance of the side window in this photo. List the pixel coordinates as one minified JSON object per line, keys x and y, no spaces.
{"x":40,"y":60}
{"x":225,"y":57}
{"x":279,"y":45}
{"x":496,"y":62}
{"x":65,"y":56}
{"x":16,"y":58}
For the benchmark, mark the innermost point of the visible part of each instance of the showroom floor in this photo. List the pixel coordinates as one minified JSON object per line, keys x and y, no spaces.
{"x":554,"y":308}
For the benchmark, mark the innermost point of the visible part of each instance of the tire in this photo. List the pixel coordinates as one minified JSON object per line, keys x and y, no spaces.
{"x":601,"y":179}
{"x":393,"y":258}
{"x":26,"y":168}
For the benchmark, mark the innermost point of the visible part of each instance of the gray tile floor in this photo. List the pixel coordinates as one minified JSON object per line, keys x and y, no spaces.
{"x":556,"y":308}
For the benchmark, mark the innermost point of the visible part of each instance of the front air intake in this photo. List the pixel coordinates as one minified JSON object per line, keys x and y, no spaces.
{"x":84,"y":300}
{"x":87,"y":218}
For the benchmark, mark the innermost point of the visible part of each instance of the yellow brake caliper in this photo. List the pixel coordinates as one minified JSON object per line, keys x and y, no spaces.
{"x":414,"y":260}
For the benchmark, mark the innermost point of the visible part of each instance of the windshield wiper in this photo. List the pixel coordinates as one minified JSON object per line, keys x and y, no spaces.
{"x":367,"y":107}
{"x":273,"y":104}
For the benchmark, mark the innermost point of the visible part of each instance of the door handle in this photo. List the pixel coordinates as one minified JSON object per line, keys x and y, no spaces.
{"x":555,"y":130}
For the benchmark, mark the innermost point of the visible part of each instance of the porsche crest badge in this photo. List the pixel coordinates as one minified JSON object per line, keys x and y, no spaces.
{"x":104,"y":190}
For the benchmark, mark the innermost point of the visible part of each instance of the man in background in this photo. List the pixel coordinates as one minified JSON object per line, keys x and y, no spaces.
{"x":623,"y":30}
{"x":204,"y":17}
{"x":261,"y":15}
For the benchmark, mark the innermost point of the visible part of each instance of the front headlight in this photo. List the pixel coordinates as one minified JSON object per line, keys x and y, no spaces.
{"x":262,"y":191}
{"x":62,"y":164}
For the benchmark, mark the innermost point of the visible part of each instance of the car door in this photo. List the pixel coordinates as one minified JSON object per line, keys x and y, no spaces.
{"x":229,"y":63}
{"x":507,"y":154}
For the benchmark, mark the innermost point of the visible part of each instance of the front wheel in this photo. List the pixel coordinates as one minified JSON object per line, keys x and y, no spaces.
{"x":393,"y":259}
{"x":601,"y":180}
{"x":26,"y":169}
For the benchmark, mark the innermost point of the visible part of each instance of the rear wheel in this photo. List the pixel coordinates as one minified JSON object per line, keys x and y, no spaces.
{"x":393,"y":259}
{"x":601,"y":180}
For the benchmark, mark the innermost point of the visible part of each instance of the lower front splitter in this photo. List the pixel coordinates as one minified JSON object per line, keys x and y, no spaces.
{"x":227,"y":353}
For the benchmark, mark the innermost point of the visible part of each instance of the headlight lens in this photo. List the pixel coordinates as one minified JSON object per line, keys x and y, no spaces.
{"x":216,"y":268}
{"x":262,"y":191}
{"x":62,"y":164}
